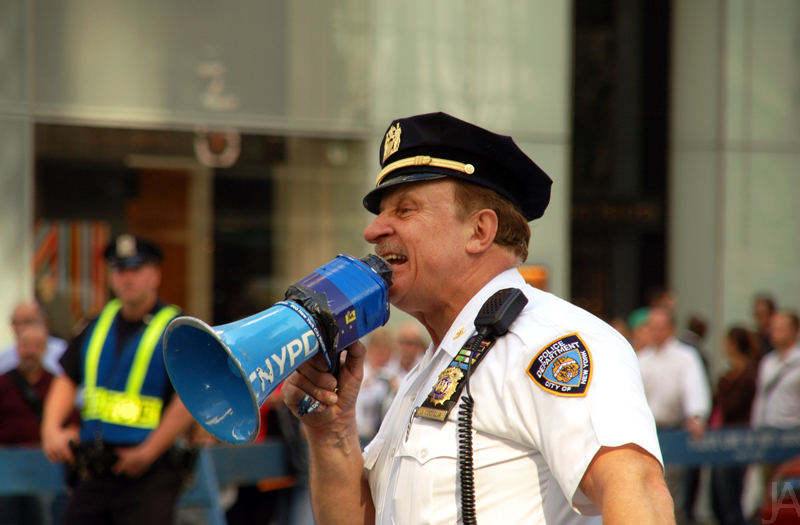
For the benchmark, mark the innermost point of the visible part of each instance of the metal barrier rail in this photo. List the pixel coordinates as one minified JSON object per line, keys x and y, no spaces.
{"x":26,"y":470}
{"x":730,"y":446}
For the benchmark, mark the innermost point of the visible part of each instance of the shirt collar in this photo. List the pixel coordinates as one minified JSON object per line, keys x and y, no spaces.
{"x":793,"y":354}
{"x":464,"y":325}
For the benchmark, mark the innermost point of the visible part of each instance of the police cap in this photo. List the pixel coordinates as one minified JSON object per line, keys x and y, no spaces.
{"x":129,"y":251}
{"x":437,"y":145}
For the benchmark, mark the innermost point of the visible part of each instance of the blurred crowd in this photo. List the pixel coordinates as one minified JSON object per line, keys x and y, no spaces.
{"x":759,"y":386}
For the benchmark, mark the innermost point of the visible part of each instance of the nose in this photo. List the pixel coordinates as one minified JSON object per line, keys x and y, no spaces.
{"x":377,"y":229}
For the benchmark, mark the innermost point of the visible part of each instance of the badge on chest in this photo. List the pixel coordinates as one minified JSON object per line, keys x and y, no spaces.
{"x":446,"y":391}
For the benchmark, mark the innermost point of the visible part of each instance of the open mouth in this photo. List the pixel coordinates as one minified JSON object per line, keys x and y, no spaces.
{"x":394,"y":259}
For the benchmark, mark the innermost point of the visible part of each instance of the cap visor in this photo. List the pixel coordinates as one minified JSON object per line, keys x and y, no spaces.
{"x":372,"y":200}
{"x":128,"y":264}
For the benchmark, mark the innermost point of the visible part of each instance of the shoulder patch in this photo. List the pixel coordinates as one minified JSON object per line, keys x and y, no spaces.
{"x":564,"y":367}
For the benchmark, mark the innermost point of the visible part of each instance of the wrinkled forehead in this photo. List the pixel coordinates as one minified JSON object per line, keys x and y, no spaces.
{"x":439,"y":191}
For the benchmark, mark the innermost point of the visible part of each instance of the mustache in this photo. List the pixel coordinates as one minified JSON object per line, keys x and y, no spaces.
{"x":389,"y":247}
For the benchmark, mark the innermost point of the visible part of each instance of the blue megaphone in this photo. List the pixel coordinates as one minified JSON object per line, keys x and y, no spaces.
{"x":223,"y":374}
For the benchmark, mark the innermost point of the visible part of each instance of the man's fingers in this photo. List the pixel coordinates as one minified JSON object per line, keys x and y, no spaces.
{"x":317,"y":362}
{"x":355,"y":358}
{"x":356,"y":350}
{"x":319,"y":385}
{"x":58,"y":452}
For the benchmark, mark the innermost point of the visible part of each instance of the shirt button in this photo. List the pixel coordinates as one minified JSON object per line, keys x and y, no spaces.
{"x":423,"y":453}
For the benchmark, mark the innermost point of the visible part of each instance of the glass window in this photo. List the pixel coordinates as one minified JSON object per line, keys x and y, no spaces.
{"x":239,"y":217}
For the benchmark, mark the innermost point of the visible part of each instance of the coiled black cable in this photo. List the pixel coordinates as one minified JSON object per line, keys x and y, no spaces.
{"x":494,"y":318}
{"x":464,"y":432}
{"x":465,"y":466}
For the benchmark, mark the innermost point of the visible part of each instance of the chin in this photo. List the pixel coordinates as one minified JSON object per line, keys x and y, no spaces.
{"x":396,"y":297}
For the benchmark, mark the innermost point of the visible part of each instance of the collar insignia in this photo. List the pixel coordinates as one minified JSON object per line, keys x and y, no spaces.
{"x":392,"y":141}
{"x":459,"y":333}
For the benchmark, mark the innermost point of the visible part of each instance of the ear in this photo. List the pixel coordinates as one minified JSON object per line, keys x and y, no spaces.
{"x":484,"y":230}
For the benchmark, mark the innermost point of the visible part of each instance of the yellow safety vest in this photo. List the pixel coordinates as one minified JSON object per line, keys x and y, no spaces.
{"x":129,"y":408}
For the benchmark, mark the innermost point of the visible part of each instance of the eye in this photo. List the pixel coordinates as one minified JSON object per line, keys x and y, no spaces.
{"x":405,"y":205}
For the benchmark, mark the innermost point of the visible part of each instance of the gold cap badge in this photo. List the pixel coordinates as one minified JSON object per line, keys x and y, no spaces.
{"x":392,"y":141}
{"x":126,"y":246}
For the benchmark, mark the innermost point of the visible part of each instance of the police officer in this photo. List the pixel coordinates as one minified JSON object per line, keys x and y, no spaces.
{"x":130,"y":416}
{"x":560,"y":429}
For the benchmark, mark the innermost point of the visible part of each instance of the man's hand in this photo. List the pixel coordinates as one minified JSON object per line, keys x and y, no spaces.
{"x":337,"y":397}
{"x":133,"y":461}
{"x":56,"y":444}
{"x":696,"y":427}
{"x":332,"y":433}
{"x":58,"y":404}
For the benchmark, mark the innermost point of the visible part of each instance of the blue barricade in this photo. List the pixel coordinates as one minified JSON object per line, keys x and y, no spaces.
{"x":26,"y":470}
{"x":730,"y":446}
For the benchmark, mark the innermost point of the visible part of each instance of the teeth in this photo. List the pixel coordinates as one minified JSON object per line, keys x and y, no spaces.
{"x":394,"y":258}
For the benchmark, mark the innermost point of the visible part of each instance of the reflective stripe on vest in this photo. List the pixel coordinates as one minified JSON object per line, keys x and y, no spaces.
{"x":129,"y":408}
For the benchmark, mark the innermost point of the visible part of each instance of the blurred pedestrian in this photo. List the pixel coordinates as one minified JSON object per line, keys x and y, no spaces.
{"x":694,"y":335}
{"x":22,"y":392}
{"x":764,"y":308}
{"x":125,"y":468}
{"x":732,"y":404}
{"x":677,"y":391}
{"x":639,"y":328}
{"x":377,"y":386}
{"x":412,"y":341}
{"x":777,"y":403}
{"x":25,"y":314}
{"x":662,"y":297}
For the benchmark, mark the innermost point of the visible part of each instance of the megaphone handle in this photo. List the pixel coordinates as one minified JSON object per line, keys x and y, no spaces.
{"x":334,"y":365}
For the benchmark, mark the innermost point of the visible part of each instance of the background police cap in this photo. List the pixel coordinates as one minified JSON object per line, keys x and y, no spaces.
{"x":128,"y":251}
{"x":437,"y":145}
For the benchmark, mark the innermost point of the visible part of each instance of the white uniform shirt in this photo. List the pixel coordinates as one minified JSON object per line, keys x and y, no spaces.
{"x":675,"y":383}
{"x":777,"y":401}
{"x":531,"y":445}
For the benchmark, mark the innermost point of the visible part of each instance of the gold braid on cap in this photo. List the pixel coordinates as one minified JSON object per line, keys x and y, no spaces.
{"x":424,"y":160}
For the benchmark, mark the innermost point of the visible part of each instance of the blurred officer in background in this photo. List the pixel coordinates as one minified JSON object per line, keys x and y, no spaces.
{"x":130,"y":419}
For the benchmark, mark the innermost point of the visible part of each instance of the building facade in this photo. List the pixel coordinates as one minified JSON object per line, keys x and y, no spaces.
{"x":241,"y":135}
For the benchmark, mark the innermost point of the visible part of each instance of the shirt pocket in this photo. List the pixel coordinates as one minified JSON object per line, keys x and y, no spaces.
{"x":427,"y":475}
